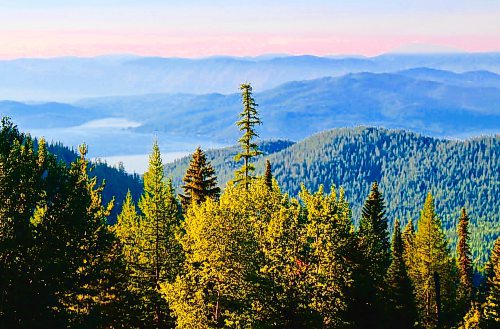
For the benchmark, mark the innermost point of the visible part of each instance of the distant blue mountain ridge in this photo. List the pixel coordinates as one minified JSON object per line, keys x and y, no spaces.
{"x":430,"y":101}
{"x":435,"y":102}
{"x":72,"y":78}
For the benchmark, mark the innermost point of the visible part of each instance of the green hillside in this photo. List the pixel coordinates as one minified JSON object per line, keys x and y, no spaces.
{"x":407,"y":165}
{"x":117,"y":181}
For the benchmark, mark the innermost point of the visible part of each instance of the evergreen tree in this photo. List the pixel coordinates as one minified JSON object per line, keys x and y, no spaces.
{"x":464,"y":264}
{"x":22,"y":299}
{"x":286,"y":266}
{"x":374,"y":252}
{"x":398,"y":288}
{"x":268,"y":175}
{"x":200,"y":181}
{"x":159,"y":254}
{"x":249,"y":118}
{"x":491,"y":307}
{"x":95,"y":299}
{"x":127,"y":230}
{"x":408,"y":237}
{"x":434,"y":271}
{"x":217,"y":288}
{"x":328,"y":262}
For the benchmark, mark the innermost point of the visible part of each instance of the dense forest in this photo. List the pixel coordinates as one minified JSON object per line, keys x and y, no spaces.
{"x":116,"y":181}
{"x":246,"y":256}
{"x":406,"y":165}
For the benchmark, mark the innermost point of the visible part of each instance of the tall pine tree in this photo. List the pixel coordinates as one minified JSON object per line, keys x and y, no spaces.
{"x":374,"y":254}
{"x":249,"y":118}
{"x":408,"y":237}
{"x":464,"y":264}
{"x":200,"y":181}
{"x":127,"y":230}
{"x":106,"y":270}
{"x":400,"y":311}
{"x":434,"y":271}
{"x":159,"y":253}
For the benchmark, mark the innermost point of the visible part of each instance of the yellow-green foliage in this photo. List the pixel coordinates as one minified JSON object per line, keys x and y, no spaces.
{"x":258,"y":257}
{"x":221,"y":248}
{"x":433,"y":260}
{"x":152,"y":252}
{"x":492,"y":305}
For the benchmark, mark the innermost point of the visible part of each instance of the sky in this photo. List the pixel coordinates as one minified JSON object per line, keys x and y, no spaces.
{"x":200,"y":28}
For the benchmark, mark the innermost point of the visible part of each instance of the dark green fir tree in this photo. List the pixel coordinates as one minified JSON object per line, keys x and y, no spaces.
{"x":374,"y":258}
{"x":401,"y":312}
{"x":200,"y":181}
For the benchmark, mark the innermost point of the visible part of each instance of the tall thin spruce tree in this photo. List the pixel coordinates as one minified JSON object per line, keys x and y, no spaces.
{"x":200,"y":181}
{"x":249,"y":118}
{"x":408,"y":237}
{"x":434,"y":271}
{"x":464,"y":264}
{"x":374,"y":254}
{"x":96,"y":300}
{"x":160,"y":254}
{"x":400,"y":311}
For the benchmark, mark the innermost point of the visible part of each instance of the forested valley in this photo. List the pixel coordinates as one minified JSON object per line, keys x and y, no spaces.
{"x":243,"y":255}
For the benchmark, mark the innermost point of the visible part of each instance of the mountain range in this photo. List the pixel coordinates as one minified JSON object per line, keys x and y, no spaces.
{"x":71,"y":78}
{"x":435,"y":102}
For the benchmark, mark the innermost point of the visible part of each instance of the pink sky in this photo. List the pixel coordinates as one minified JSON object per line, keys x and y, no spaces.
{"x":91,"y":43}
{"x":203,"y":28}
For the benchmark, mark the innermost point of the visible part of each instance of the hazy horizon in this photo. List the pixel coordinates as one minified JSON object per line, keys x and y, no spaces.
{"x":404,"y":49}
{"x":201,"y":28}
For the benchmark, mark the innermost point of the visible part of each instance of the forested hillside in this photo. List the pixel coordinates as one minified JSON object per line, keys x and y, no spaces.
{"x":459,"y":173}
{"x":117,"y":181}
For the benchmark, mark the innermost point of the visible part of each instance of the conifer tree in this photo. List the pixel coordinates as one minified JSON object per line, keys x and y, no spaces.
{"x":127,"y":229}
{"x":464,"y":264}
{"x":21,"y":298}
{"x":398,"y":288}
{"x":408,"y":237}
{"x":489,"y":272}
{"x":328,"y":261}
{"x":285,"y":267}
{"x":268,"y":175}
{"x":200,"y":181}
{"x":434,"y":273}
{"x":249,"y":118}
{"x":159,"y":253}
{"x":96,"y":298}
{"x":491,"y":308}
{"x":216,"y":288}
{"x":374,"y":249}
